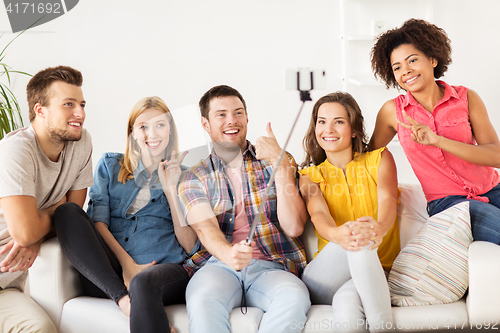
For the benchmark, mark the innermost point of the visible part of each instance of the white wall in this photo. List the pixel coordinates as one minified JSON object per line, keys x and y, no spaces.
{"x":179,"y":49}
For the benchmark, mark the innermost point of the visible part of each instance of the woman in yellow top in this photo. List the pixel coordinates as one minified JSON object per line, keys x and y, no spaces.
{"x":351,"y":196}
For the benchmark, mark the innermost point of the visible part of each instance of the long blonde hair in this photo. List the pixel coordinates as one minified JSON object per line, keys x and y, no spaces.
{"x":132,"y":156}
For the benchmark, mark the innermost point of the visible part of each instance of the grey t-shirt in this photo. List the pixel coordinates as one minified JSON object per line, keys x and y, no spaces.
{"x":26,"y":170}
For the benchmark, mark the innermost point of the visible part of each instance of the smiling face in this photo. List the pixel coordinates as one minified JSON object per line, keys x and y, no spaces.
{"x":333,"y":129}
{"x":227,"y":121}
{"x":152,"y":133}
{"x":412,"y":69}
{"x":65,"y":112}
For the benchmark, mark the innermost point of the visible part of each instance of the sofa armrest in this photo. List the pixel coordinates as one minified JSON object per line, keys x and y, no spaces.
{"x":483,"y":301}
{"x":53,"y":280}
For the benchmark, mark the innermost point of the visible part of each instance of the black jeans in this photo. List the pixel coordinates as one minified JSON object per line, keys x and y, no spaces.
{"x":101,"y":272}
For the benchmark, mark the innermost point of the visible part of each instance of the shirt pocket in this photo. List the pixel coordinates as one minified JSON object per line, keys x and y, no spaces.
{"x":271,"y":205}
{"x":152,"y":223}
{"x":456,"y":127}
{"x":118,"y":228}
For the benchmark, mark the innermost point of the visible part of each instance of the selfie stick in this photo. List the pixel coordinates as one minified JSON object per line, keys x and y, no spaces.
{"x":304,"y":96}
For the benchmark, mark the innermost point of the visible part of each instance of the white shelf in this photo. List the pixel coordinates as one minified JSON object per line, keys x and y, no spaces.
{"x":372,"y":16}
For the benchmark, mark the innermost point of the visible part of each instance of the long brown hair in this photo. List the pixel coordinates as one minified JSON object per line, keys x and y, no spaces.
{"x":133,"y":153}
{"x":314,"y":153}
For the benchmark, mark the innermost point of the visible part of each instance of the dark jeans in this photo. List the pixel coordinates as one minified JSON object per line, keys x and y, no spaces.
{"x":149,"y":291}
{"x":485,"y":217}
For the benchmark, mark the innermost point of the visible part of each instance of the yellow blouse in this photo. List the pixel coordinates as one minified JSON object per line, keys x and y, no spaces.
{"x":354,"y":195}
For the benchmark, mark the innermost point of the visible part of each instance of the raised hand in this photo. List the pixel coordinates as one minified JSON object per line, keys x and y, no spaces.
{"x":376,"y":230}
{"x":420,"y":133}
{"x":19,"y":258}
{"x":353,"y":235}
{"x":170,"y":171}
{"x":267,"y":147}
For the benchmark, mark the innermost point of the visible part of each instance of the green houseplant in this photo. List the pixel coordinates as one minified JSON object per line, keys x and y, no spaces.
{"x":10,"y":112}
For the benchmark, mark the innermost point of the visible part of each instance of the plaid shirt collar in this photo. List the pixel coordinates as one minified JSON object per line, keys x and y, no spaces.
{"x":219,"y":164}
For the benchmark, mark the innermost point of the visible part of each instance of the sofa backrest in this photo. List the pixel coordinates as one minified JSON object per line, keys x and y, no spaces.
{"x":412,"y":214}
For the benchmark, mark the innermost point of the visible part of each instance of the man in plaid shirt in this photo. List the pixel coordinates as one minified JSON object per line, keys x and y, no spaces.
{"x":220,"y":197}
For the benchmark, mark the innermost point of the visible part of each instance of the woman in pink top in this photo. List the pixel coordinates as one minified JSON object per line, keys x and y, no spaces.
{"x":444,"y":130}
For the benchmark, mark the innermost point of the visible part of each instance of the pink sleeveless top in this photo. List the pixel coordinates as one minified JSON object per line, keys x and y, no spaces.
{"x":440,"y":173}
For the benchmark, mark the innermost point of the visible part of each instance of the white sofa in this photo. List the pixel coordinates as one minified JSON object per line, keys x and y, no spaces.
{"x":55,"y":285}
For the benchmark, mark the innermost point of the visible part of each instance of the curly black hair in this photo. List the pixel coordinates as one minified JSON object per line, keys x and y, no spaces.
{"x":424,"y":36}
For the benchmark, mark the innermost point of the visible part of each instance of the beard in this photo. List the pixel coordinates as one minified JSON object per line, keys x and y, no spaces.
{"x":59,"y":135}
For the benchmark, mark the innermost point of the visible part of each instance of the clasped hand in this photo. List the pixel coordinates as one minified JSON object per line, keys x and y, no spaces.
{"x":354,"y":235}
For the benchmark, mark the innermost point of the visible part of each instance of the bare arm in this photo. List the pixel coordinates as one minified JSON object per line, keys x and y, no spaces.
{"x":129,"y":266}
{"x":26,"y":224}
{"x":291,"y":210}
{"x":77,"y":196}
{"x":27,"y":227}
{"x":204,"y":223}
{"x":387,"y":194}
{"x":123,"y":257}
{"x":385,"y":126}
{"x":487,"y":150}
{"x":170,"y":172}
{"x":185,"y":234}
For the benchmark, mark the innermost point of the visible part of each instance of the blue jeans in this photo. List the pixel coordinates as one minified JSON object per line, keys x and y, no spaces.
{"x":215,"y":290}
{"x":485,"y":217}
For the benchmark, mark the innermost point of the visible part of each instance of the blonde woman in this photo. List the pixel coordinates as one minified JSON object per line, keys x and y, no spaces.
{"x":131,"y":245}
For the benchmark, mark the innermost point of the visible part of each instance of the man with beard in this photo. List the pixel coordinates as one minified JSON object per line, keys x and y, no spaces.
{"x":41,"y":167}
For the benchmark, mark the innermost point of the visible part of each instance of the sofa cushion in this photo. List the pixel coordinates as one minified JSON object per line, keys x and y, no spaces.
{"x":432,"y":268}
{"x":412,"y":212}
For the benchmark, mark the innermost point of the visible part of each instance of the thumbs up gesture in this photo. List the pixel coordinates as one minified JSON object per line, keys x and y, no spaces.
{"x":267,"y":148}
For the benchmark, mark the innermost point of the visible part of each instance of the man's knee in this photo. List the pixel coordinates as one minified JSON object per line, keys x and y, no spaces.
{"x":19,"y":313}
{"x":293,"y":292}
{"x":212,"y":287}
{"x":41,"y":325}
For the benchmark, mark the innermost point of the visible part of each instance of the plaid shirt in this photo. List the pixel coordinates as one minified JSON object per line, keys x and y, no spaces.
{"x":207,"y":182}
